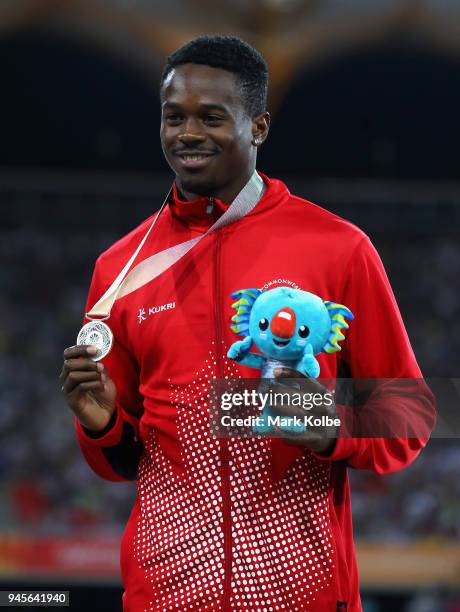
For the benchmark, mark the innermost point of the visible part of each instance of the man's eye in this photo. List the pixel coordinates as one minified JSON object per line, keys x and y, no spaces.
{"x":213,"y":119}
{"x":173,"y":118}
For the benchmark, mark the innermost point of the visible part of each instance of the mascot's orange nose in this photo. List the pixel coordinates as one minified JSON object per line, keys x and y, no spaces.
{"x":283,"y":323}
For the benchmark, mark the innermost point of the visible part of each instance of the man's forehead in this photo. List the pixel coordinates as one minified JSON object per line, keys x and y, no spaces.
{"x":204,"y":82}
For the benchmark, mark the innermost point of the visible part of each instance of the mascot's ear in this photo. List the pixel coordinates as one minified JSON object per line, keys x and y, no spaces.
{"x":245,"y":299}
{"x":337,"y":314}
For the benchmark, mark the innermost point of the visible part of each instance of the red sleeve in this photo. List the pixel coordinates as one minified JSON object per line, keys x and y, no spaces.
{"x":377,"y":346}
{"x":114,"y":454}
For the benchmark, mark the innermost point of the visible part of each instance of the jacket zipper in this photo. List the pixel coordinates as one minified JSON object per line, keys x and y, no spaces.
{"x":223,"y":442}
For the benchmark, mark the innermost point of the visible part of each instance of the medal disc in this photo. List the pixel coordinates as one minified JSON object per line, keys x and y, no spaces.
{"x":98,"y":334}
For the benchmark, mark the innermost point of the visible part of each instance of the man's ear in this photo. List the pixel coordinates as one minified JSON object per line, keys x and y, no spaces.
{"x":260,"y":127}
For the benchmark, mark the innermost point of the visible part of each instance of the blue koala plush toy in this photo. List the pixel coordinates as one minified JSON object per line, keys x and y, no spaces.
{"x":288,"y":326}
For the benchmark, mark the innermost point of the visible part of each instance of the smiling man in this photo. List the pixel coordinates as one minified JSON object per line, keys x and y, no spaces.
{"x":231,"y":523}
{"x":210,"y":131}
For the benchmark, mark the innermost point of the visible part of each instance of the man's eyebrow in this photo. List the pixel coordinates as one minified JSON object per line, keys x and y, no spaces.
{"x":207,"y":107}
{"x":218,"y":107}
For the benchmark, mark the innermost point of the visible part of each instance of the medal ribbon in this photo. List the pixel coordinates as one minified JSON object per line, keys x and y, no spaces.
{"x":148,"y":269}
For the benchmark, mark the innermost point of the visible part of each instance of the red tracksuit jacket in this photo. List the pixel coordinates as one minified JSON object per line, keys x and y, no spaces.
{"x":240,"y":524}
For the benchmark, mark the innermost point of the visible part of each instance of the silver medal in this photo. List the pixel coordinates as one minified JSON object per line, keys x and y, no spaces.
{"x":98,"y":334}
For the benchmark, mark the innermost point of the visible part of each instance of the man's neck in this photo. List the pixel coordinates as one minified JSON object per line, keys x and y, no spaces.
{"x":226,"y":194}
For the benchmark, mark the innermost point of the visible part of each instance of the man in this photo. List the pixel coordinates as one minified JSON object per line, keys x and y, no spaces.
{"x":231,"y":524}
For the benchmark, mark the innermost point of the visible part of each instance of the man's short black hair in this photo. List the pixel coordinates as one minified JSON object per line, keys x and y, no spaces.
{"x":232,"y":54}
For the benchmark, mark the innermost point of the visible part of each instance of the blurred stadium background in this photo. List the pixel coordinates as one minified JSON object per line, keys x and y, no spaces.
{"x":365,"y":99}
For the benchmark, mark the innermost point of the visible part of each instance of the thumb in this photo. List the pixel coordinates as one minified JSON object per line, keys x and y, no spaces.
{"x":247,"y":342}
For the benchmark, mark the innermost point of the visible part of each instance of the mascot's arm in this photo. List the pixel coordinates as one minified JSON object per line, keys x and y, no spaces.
{"x":308,"y":365}
{"x":239,"y":351}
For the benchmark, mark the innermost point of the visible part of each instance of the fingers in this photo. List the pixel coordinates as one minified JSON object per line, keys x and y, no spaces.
{"x":80,"y":365}
{"x":295,"y":435}
{"x":87,"y":387}
{"x":317,"y":440}
{"x":286,"y":410}
{"x":285,"y":407}
{"x":296,"y":401}
{"x":287,"y":373}
{"x":97,"y":385}
{"x":75,"y":378}
{"x":306,"y":383}
{"x":80,"y":369}
{"x":80,"y":350}
{"x":276,"y":385}
{"x":302,"y":438}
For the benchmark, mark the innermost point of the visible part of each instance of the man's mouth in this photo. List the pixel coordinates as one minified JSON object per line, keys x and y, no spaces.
{"x":194,"y":160}
{"x":281,"y":342}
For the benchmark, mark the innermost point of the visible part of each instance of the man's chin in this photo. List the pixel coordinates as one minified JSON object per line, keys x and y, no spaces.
{"x":201,"y":186}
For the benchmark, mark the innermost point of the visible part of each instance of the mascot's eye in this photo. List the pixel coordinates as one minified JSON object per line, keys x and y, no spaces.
{"x":303,"y":331}
{"x":263,"y":324}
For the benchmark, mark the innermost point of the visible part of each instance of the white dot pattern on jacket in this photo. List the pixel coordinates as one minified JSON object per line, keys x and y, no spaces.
{"x":282,"y":551}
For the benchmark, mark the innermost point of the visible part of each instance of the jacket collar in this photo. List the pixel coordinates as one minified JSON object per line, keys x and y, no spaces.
{"x":202,"y":212}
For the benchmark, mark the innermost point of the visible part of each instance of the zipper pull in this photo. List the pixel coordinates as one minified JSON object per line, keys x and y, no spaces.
{"x":210,"y":206}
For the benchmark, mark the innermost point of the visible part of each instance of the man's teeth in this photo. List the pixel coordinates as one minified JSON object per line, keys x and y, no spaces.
{"x":193,"y":157}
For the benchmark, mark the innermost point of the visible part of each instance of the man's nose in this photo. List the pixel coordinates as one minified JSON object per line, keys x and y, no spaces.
{"x":192,"y":133}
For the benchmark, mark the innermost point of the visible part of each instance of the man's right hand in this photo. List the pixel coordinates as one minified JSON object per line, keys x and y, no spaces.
{"x":87,"y":387}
